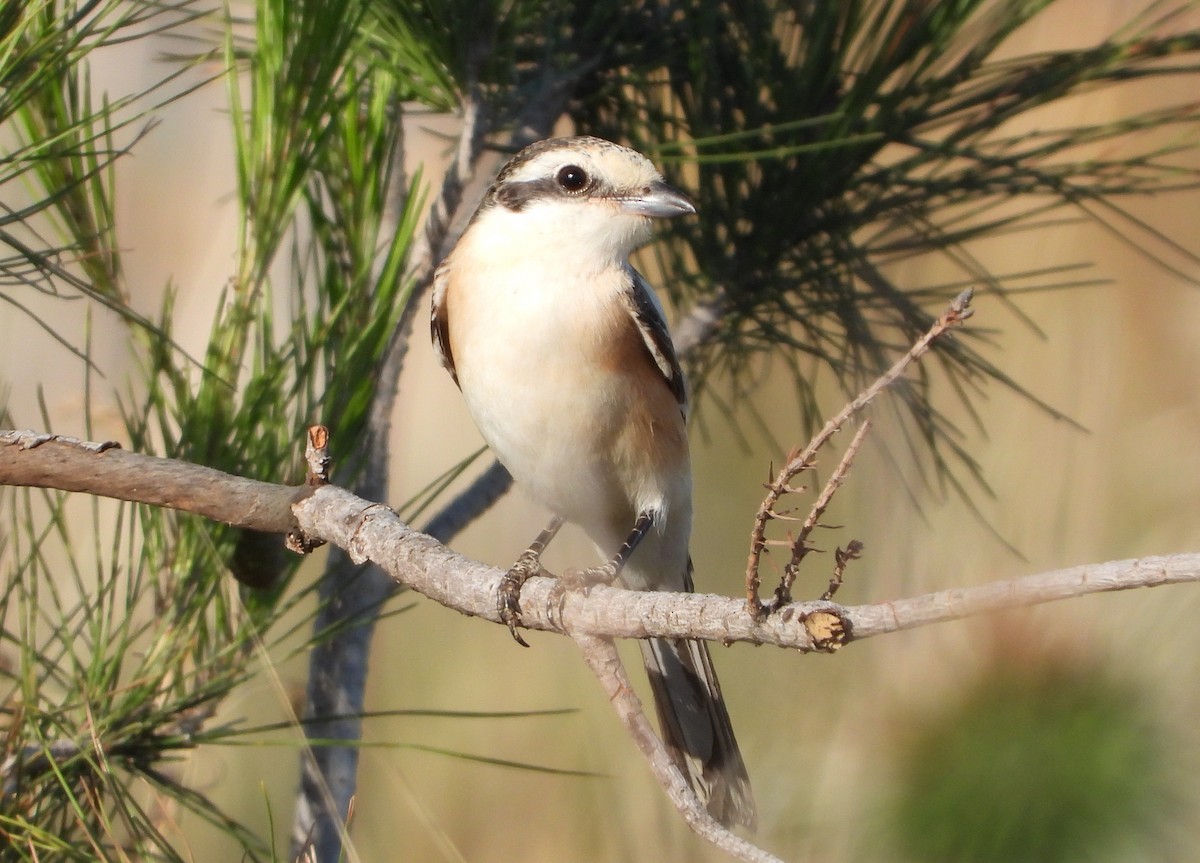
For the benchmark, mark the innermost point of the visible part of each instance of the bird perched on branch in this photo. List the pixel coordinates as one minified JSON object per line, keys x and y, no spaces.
{"x":561,"y":351}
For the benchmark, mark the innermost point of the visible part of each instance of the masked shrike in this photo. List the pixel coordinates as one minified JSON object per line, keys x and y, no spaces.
{"x":562,"y":353}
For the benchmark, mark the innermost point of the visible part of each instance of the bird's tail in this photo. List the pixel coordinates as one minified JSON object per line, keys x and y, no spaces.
{"x":696,"y":728}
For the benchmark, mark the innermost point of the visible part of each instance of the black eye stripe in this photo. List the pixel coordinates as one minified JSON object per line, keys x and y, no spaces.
{"x":516,"y":195}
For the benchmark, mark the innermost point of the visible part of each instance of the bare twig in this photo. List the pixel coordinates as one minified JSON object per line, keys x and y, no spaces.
{"x":29,"y":762}
{"x":841,"y":559}
{"x":700,"y":324}
{"x":316,"y":455}
{"x":602,"y":658}
{"x":802,"y":460}
{"x":800,"y":545}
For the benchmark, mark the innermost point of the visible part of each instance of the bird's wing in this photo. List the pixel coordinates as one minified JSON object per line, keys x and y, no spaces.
{"x":651,"y":322}
{"x":439,"y":320}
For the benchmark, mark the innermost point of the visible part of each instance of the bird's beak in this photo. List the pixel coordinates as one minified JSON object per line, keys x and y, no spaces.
{"x":658,"y":200}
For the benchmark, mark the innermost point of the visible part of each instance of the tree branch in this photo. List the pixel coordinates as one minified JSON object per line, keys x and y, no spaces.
{"x":602,"y":658}
{"x":372,"y":531}
{"x":29,"y":458}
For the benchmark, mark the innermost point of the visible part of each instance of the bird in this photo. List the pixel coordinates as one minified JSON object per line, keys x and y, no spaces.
{"x":563,"y":357}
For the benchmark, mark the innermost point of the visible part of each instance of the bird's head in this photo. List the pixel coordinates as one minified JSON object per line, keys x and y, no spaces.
{"x":583,"y":191}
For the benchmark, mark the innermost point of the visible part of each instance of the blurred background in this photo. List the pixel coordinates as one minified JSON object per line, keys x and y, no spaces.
{"x":1065,"y":732}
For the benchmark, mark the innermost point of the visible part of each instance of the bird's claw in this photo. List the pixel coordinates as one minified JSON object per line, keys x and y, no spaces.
{"x":508,"y":596}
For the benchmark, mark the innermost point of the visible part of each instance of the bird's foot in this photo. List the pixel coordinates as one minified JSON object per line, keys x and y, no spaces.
{"x":577,"y":580}
{"x":508,"y":597}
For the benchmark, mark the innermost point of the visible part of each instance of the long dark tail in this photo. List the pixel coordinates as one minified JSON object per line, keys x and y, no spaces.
{"x":696,"y":728}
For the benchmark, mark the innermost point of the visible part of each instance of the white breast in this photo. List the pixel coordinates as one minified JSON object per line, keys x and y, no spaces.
{"x":532,"y":328}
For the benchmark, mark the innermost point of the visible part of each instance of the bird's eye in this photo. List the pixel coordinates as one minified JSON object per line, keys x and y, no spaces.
{"x":572,"y":178}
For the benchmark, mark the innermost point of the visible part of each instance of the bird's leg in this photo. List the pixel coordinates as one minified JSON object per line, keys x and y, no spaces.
{"x":508,"y":597}
{"x":606,"y":573}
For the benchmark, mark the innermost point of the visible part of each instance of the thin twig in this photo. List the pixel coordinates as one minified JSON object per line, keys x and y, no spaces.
{"x":841,"y":559}
{"x":802,"y":460}
{"x":799,"y":544}
{"x":316,"y":456}
{"x":602,"y":658}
